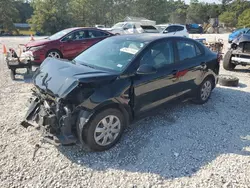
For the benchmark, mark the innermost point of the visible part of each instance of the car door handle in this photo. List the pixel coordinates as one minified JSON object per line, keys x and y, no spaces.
{"x":174,"y":72}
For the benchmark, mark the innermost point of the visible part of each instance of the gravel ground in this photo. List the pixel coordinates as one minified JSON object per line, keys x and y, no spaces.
{"x":185,"y":145}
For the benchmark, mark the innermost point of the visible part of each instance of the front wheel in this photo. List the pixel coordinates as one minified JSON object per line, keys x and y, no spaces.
{"x":227,"y":62}
{"x":54,"y":54}
{"x":104,"y":130}
{"x":204,"y":91}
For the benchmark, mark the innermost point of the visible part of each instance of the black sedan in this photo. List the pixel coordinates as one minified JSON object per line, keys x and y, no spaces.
{"x":94,"y":97}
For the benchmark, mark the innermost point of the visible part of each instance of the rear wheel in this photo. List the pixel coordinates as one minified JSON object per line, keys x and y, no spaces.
{"x":227,"y":62}
{"x":204,"y":91}
{"x":104,"y":130}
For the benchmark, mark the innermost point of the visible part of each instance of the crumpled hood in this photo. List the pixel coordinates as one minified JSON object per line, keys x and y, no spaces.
{"x":59,"y":77}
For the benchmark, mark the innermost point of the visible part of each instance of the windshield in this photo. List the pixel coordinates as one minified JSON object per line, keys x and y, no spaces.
{"x":118,"y":25}
{"x":60,"y":34}
{"x":112,"y":54}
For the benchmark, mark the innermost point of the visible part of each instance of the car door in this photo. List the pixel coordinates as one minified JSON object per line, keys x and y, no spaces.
{"x":190,"y":64}
{"x":73,"y":44}
{"x":155,"y":89}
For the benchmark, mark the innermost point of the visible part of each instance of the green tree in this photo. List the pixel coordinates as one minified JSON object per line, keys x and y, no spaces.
{"x":178,"y":12}
{"x":8,"y":14}
{"x":50,"y":16}
{"x":229,"y":18}
{"x":197,"y":12}
{"x":25,"y":11}
{"x":244,"y":19}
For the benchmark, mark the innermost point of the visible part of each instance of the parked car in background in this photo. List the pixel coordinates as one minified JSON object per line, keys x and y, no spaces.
{"x":194,"y":28}
{"x":66,"y":44}
{"x":239,"y":52}
{"x":176,"y":30}
{"x":122,"y":28}
{"x":94,"y":97}
{"x":236,"y":34}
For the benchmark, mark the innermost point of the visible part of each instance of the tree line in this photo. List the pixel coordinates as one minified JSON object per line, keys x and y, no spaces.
{"x":50,"y":16}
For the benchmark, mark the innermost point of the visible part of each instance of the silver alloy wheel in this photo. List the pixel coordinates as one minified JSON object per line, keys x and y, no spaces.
{"x":107,"y":130}
{"x":206,"y":90}
{"x":54,"y":55}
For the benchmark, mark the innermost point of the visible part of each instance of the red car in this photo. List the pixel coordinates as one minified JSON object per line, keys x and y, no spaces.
{"x":65,"y":44}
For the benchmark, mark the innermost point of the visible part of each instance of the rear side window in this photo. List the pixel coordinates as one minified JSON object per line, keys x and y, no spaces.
{"x":96,"y":34}
{"x":187,"y":50}
{"x":159,"y":55}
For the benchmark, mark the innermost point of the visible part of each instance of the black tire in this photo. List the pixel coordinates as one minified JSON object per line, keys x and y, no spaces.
{"x":228,"y":80}
{"x":12,"y":74}
{"x":54,"y":51}
{"x":89,"y":130}
{"x":199,"y":99}
{"x":227,"y":63}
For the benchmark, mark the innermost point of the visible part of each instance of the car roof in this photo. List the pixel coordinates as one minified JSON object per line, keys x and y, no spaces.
{"x":147,"y":37}
{"x":76,"y":28}
{"x":177,"y":25}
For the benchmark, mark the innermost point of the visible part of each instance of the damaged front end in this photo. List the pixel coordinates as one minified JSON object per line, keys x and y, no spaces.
{"x":241,"y":50}
{"x":51,"y":115}
{"x":62,"y":101}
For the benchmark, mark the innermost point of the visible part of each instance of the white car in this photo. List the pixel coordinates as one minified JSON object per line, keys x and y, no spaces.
{"x":122,"y":28}
{"x":176,"y":30}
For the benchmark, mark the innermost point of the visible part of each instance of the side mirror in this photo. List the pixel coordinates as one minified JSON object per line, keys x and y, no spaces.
{"x":146,"y":69}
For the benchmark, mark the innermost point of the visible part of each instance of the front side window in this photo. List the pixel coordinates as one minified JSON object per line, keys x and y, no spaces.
{"x":187,"y":50}
{"x":179,"y":28}
{"x":170,"y":29}
{"x":112,"y":54}
{"x":74,"y":36}
{"x":129,"y":26}
{"x":159,"y":55}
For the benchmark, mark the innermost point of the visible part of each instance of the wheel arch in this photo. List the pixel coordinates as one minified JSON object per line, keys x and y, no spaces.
{"x":210,"y":76}
{"x":54,"y":49}
{"x":124,"y":109}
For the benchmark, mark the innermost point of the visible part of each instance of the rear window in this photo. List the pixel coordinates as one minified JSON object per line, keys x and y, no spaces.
{"x":187,"y":50}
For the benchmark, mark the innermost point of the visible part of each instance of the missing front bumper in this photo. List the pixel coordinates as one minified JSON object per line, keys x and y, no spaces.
{"x":56,"y":127}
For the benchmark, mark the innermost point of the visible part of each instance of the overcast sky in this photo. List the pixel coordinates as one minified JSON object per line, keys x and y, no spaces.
{"x":207,"y":1}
